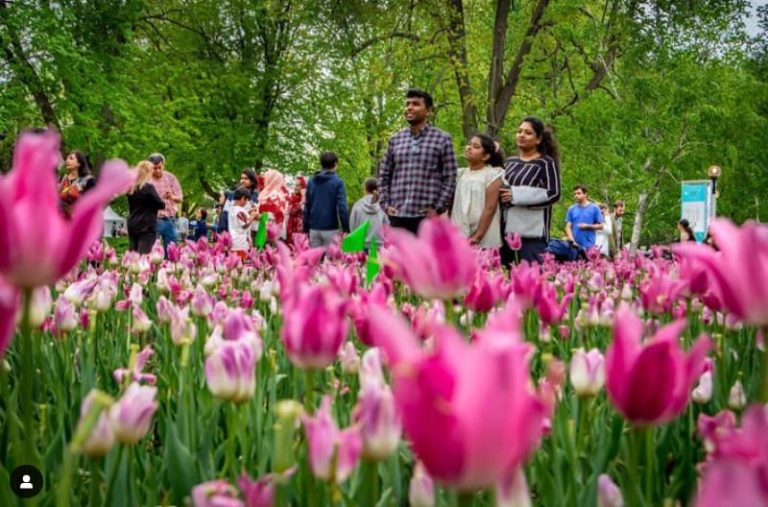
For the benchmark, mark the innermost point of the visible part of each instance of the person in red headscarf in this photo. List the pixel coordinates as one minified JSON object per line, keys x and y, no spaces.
{"x":296,"y":209}
{"x":273,"y":197}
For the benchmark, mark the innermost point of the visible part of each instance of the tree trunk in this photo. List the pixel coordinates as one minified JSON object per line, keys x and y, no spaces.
{"x":18,"y":60}
{"x":637,"y":226}
{"x":498,"y":103}
{"x":458,"y":55}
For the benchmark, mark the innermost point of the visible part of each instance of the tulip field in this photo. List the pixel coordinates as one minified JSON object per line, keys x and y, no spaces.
{"x":303,"y":377}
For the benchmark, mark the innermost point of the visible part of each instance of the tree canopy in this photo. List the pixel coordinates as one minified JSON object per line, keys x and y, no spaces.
{"x":641,"y":94}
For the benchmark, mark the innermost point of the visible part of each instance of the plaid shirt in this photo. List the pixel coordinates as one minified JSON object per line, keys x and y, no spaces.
{"x":167,"y":183}
{"x":418,"y":172}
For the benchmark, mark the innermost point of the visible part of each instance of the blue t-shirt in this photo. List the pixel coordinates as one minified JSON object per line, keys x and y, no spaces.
{"x":589,"y":214}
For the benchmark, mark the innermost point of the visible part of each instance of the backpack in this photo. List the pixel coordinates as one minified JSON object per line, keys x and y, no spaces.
{"x":563,"y":250}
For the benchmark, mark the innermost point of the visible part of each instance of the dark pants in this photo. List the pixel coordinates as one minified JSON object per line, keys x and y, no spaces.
{"x":143,"y":242}
{"x":408,"y":223}
{"x":530,"y":251}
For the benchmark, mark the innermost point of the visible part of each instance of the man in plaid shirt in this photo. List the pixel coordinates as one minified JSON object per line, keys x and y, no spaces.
{"x":418,"y":173}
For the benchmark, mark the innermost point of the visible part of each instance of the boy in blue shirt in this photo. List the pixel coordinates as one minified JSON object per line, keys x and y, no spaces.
{"x":583,"y":219}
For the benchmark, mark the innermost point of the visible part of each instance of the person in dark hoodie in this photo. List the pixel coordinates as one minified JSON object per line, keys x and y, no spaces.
{"x":325,"y":209}
{"x":369,"y":208}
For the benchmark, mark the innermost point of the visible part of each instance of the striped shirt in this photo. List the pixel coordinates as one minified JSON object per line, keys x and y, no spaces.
{"x":418,"y":172}
{"x":535,"y":188}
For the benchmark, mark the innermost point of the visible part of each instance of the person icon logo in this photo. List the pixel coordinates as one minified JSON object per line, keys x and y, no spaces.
{"x":26,"y":481}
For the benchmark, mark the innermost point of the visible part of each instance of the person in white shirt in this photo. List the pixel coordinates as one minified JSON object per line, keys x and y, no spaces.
{"x":475,"y":207}
{"x":241,"y":216}
{"x":603,"y":240}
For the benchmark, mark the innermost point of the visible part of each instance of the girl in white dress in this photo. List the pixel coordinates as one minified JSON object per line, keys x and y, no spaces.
{"x":476,"y":201}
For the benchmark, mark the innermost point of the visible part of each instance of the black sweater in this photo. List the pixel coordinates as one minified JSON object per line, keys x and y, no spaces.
{"x":143,"y":205}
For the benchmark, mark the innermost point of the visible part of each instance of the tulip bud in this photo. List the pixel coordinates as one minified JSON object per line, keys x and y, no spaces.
{"x":40,"y":306}
{"x":608,"y":494}
{"x":333,"y":454}
{"x":183,"y":329}
{"x":737,"y":399}
{"x":98,"y":434}
{"x":132,"y":414}
{"x":64,"y":315}
{"x":156,"y":255}
{"x":421,"y":491}
{"x":217,"y":493}
{"x":587,"y":372}
{"x":141,"y":323}
{"x":350,"y":361}
{"x":702,"y":393}
{"x":231,"y":371}
{"x":289,"y":413}
{"x":259,"y":493}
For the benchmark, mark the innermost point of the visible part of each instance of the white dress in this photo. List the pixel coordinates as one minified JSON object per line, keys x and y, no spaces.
{"x":469,"y":201}
{"x":603,"y":239}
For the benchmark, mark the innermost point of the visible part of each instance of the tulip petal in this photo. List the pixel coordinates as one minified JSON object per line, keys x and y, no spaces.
{"x":651,"y":383}
{"x":10,"y":300}
{"x":87,"y":223}
{"x":395,"y":338}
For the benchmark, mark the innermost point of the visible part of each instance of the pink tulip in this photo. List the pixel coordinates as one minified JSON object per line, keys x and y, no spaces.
{"x":380,"y":423}
{"x":651,"y":382}
{"x":349,"y":359}
{"x":608,"y":493}
{"x":65,"y":317}
{"x":514,"y":241}
{"x":10,"y":303}
{"x":132,"y":414}
{"x":438,"y":264}
{"x":330,"y":446}
{"x":259,"y":493}
{"x":736,"y":475}
{"x":217,"y":493}
{"x":469,"y":410}
{"x":183,"y":328}
{"x":484,"y":293}
{"x":46,"y":245}
{"x":740,"y":270}
{"x":102,"y":436}
{"x":421,"y":490}
{"x":231,"y":371}
{"x":587,"y":372}
{"x":314,"y":327}
{"x":136,"y":374}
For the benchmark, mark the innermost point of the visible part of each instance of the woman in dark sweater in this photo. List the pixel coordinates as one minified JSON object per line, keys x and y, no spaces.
{"x":530,"y":186}
{"x":143,"y":205}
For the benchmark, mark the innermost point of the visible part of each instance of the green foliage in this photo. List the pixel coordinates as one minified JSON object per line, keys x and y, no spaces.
{"x":221,"y":85}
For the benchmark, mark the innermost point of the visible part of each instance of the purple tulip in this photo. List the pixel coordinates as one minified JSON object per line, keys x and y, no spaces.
{"x":131,"y":415}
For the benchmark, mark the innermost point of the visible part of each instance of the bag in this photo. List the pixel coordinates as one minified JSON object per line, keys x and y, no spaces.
{"x":563,"y":250}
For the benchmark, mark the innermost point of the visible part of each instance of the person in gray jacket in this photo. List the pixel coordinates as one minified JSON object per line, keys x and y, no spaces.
{"x":368,"y":208}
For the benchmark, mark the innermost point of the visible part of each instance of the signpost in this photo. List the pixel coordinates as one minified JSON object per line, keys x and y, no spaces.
{"x":697,"y":206}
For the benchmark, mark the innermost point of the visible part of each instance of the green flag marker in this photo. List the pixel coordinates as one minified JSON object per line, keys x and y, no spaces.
{"x":261,"y":234}
{"x":355,"y":240}
{"x":372,"y":266}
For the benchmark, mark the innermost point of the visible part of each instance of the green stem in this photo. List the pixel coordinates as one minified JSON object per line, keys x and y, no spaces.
{"x":650,"y":464}
{"x":633,"y":470}
{"x":371,"y":481}
{"x":27,"y":383}
{"x":231,"y":448}
{"x":465,"y":498}
{"x":62,"y":498}
{"x":309,"y":389}
{"x":113,"y":475}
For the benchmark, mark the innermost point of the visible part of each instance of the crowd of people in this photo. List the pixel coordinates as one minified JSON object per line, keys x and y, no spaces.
{"x":498,"y":202}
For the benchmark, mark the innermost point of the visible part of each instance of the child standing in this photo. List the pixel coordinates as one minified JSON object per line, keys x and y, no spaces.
{"x":476,"y":202}
{"x":241,"y":216}
{"x":369,"y":208}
